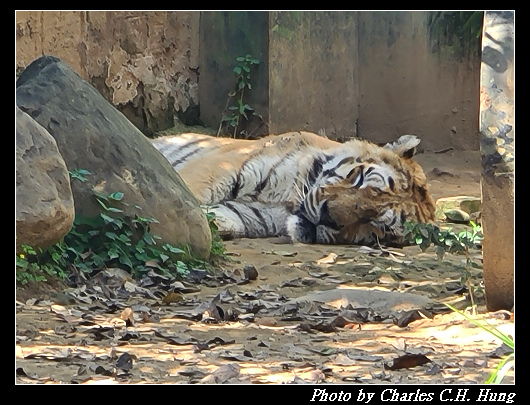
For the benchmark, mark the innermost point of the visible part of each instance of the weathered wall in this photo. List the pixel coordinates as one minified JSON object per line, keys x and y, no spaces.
{"x":371,"y":74}
{"x":224,"y":36}
{"x":314,"y":74}
{"x":145,"y":63}
{"x":406,"y":86}
{"x":377,"y":75}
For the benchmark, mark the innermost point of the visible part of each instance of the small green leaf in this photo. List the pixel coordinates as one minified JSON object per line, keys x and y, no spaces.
{"x":79,"y":174}
{"x":172,"y":249}
{"x":111,"y":235}
{"x":113,"y":253}
{"x":237,"y":70}
{"x":102,"y":204}
{"x":149,"y":238}
{"x":246,"y":68}
{"x":112,"y":209}
{"x":240,"y":58}
{"x":124,"y":259}
{"x":163,"y":257}
{"x":117,"y":196}
{"x":100,"y":195}
{"x":125,"y":239}
{"x":107,"y":219}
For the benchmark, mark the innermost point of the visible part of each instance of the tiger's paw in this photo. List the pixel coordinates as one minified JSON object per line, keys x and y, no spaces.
{"x":299,"y":229}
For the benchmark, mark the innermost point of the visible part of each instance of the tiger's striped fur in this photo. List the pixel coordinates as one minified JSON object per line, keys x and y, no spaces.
{"x":299,"y":184}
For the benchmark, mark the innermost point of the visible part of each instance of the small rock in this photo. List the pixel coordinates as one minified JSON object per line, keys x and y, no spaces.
{"x":464,"y":203}
{"x":439,"y":172}
{"x":250,"y":272}
{"x":456,"y":216}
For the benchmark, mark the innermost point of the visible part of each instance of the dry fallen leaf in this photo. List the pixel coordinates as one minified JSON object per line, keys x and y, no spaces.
{"x":171,"y":297}
{"x":222,"y":374}
{"x":283,"y":253}
{"x":127,"y":316}
{"x":266,"y":321}
{"x":413,"y":315}
{"x":125,"y":362}
{"x":329,"y":259}
{"x":408,"y":361}
{"x":343,"y":360}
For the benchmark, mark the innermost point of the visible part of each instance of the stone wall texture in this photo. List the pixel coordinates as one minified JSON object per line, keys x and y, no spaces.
{"x":375,"y":75}
{"x":144,"y":63}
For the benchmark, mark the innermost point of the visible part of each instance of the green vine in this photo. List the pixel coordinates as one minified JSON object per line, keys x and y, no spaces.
{"x":240,"y":109}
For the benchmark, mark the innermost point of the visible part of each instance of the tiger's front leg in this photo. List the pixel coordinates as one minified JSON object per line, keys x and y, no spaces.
{"x":238,"y":219}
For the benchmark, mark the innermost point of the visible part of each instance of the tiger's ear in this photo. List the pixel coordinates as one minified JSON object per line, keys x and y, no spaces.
{"x":405,"y":146}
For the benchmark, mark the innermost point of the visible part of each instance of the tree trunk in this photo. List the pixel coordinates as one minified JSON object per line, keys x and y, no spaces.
{"x":497,"y":145}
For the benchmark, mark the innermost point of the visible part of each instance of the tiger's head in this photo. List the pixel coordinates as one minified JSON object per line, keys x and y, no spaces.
{"x":363,"y":194}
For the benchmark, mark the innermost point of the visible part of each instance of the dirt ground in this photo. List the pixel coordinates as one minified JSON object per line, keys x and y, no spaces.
{"x":277,"y":313}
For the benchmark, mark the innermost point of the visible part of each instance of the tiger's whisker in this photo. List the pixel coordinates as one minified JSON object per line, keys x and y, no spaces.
{"x":299,"y":192}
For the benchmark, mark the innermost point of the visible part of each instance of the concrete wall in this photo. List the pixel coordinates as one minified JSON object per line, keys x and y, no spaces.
{"x":406,"y":86}
{"x":224,"y":36}
{"x":145,"y":63}
{"x":376,"y":75}
{"x":314,"y":74}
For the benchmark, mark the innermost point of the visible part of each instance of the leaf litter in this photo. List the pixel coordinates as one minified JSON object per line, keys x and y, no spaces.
{"x":351,"y":315}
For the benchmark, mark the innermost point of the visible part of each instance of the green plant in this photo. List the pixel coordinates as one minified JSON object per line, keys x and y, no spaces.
{"x":241,"y":109}
{"x":28,"y":268}
{"x":113,"y":239}
{"x":456,"y":32}
{"x":110,"y":239}
{"x":425,"y":235}
{"x":218,"y":249}
{"x":79,"y":174}
{"x":508,"y":361}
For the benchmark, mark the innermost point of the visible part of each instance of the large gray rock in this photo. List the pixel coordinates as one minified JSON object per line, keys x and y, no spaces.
{"x":91,"y":134}
{"x":44,"y":202}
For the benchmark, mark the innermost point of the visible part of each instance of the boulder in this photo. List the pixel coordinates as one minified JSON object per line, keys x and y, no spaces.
{"x":91,"y":134}
{"x":44,"y":206}
{"x":468,"y":204}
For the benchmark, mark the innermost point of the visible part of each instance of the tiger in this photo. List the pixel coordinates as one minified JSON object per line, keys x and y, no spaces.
{"x":304,"y":187}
